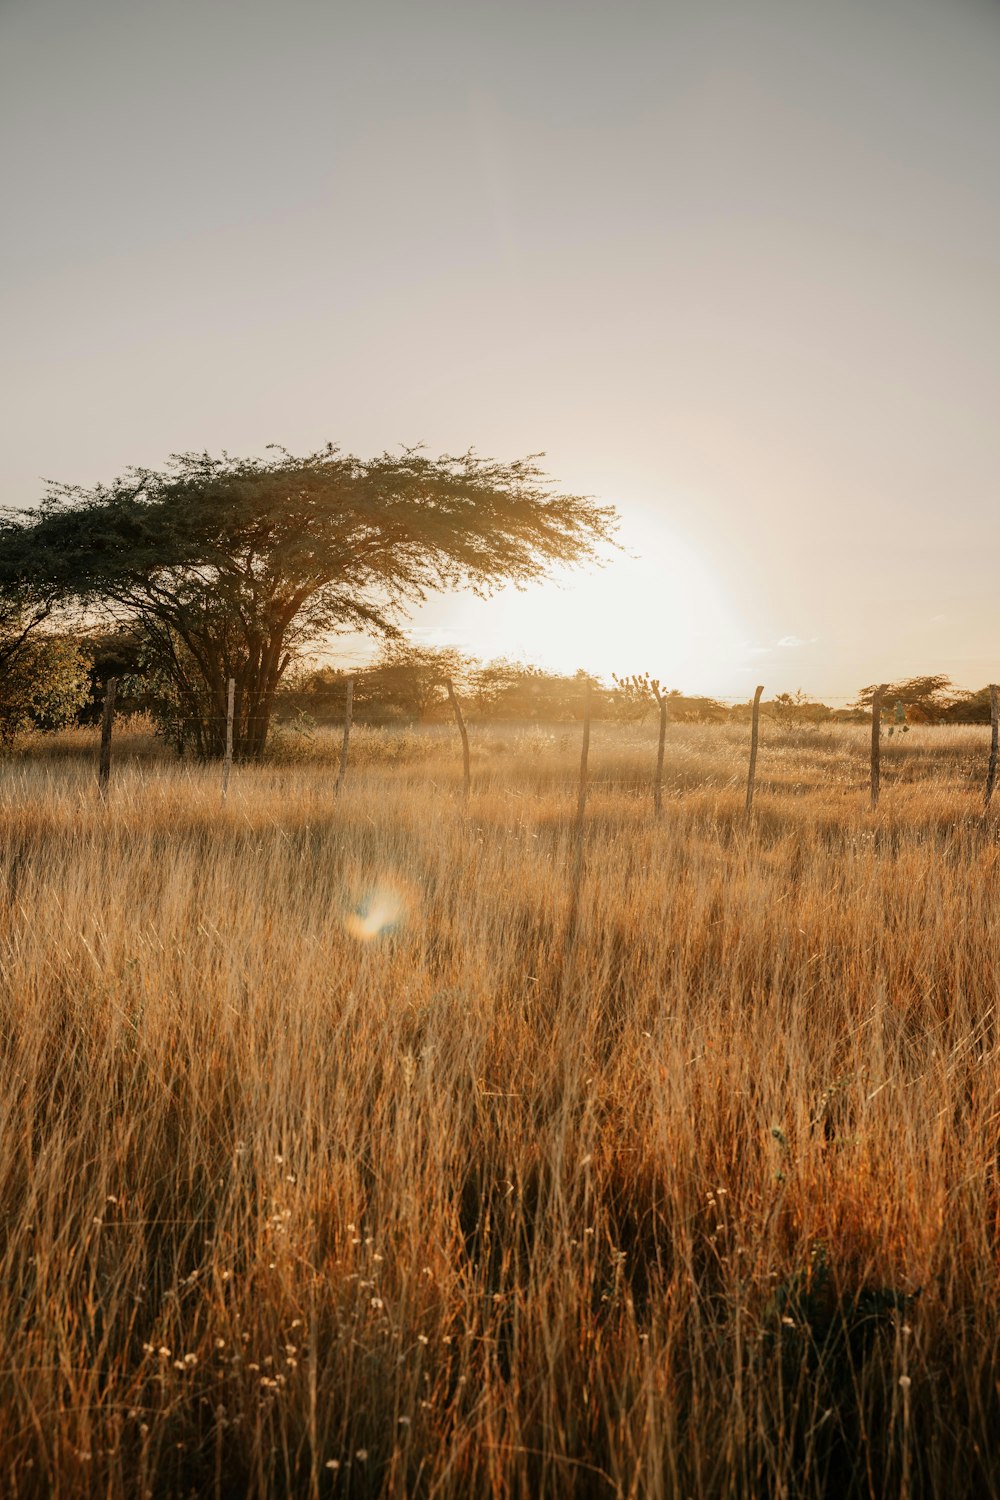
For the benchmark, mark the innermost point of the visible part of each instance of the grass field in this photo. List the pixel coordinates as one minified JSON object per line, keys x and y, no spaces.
{"x":332,"y":1164}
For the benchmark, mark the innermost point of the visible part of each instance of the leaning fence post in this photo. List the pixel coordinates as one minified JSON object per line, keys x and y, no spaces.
{"x":991,"y":774}
{"x":348,"y":718}
{"x":459,"y":720}
{"x":876,"y":732}
{"x":227,"y":764}
{"x":107,"y":721}
{"x":754,"y":737}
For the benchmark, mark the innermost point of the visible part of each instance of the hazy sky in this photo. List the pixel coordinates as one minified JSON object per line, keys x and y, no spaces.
{"x":733,"y":266}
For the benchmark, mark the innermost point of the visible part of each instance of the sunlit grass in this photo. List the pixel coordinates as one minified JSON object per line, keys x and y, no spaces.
{"x":328,"y":1165}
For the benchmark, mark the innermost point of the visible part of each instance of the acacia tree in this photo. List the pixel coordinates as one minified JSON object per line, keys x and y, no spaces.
{"x":229,"y":567}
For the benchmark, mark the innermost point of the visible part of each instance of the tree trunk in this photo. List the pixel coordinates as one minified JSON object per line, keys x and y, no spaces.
{"x":200,"y":663}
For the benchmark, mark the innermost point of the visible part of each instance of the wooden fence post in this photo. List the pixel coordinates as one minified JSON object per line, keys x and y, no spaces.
{"x":107,"y":722}
{"x":754,"y":738}
{"x":348,"y":719}
{"x":991,"y":774}
{"x":227,"y":764}
{"x":576,"y":880}
{"x":876,"y":732}
{"x":459,"y":720}
{"x":581,"y":800}
{"x":661,"y":699}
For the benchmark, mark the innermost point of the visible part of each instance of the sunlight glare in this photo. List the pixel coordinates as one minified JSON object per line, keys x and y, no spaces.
{"x":383,"y":910}
{"x":658,"y":608}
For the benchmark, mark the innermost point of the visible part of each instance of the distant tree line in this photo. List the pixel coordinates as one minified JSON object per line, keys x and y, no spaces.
{"x":930,"y":700}
{"x":405,"y":683}
{"x":54,"y":679}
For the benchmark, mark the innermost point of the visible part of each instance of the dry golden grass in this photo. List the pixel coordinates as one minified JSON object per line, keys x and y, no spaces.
{"x":704,"y":1205}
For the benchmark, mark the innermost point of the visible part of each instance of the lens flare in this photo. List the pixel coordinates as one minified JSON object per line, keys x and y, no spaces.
{"x":382,"y":910}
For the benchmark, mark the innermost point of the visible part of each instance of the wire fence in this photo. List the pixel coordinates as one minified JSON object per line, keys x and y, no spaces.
{"x":655,"y":780}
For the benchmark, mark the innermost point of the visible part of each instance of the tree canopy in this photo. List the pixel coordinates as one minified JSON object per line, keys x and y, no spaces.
{"x":228,"y":567}
{"x":27,"y":596}
{"x":43,"y":684}
{"x":924,"y":700}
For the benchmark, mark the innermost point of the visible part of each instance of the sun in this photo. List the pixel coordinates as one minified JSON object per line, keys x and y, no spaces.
{"x":655,"y":607}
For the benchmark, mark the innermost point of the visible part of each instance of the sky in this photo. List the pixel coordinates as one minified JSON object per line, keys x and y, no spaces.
{"x":732,"y":265}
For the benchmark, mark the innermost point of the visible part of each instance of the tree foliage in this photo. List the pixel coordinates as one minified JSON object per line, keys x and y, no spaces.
{"x":43,"y":678}
{"x":789,"y":710}
{"x":637,"y":694}
{"x":924,"y":699}
{"x":969,"y":708}
{"x":28,"y":596}
{"x":407,"y":680}
{"x":931,"y":700}
{"x":229,"y":567}
{"x":43,"y":685}
{"x":516,"y":692}
{"x":406,"y":683}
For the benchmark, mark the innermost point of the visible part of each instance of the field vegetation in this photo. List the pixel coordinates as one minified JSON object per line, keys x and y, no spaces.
{"x":335,"y":1163}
